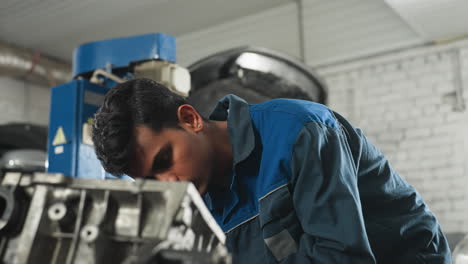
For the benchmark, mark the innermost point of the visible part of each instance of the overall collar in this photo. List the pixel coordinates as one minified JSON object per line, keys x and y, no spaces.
{"x":235,"y":111}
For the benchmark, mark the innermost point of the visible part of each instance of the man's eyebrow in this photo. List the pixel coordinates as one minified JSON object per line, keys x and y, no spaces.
{"x":162,"y":159}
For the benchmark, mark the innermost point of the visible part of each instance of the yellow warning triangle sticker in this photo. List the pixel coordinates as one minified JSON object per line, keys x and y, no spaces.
{"x":59,"y":137}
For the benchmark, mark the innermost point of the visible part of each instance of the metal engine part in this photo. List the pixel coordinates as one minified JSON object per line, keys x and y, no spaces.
{"x":50,"y":218}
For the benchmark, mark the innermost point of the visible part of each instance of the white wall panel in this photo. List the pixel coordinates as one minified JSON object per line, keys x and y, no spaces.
{"x":434,"y":19}
{"x":275,"y":28}
{"x":337,"y":30}
{"x":23,"y":102}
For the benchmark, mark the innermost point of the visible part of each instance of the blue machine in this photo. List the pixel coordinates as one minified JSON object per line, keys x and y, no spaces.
{"x":73,"y":104}
{"x":121,"y":52}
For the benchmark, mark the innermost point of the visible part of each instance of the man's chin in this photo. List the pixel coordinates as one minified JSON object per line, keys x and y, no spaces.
{"x":201,"y":190}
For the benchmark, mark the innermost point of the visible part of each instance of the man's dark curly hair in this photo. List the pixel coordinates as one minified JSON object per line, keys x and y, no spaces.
{"x":127,"y":105}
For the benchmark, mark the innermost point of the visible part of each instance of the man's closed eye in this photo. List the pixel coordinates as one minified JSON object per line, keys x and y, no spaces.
{"x":163,"y":160}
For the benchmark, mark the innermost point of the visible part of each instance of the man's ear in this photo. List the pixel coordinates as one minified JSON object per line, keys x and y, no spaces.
{"x":189,"y":118}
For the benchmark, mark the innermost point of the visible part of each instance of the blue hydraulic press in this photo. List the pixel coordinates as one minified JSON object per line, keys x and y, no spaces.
{"x":97,"y":67}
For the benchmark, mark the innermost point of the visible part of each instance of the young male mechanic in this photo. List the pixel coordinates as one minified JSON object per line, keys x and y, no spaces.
{"x":289,"y":181}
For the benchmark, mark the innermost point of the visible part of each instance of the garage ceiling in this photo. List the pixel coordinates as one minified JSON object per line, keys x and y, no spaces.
{"x":56,"y":27}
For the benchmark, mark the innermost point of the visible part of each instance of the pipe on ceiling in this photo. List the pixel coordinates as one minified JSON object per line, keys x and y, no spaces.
{"x":21,"y":63}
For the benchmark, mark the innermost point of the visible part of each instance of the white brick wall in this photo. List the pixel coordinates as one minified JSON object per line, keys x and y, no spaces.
{"x":23,"y":102}
{"x":400,"y":101}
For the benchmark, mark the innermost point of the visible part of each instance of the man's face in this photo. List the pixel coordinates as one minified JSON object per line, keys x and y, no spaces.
{"x":173,"y":155}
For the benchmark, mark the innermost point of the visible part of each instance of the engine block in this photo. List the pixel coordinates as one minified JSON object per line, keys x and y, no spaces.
{"x":50,"y":218}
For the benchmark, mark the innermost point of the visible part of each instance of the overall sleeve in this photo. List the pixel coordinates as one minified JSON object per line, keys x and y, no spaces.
{"x":326,"y":199}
